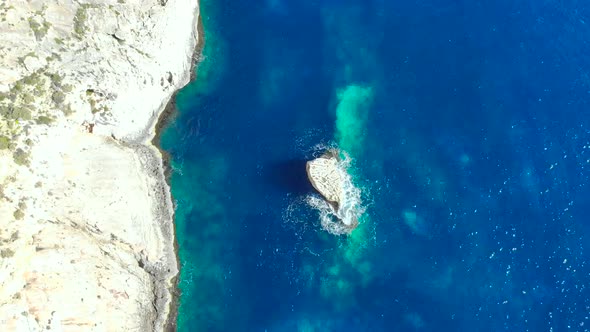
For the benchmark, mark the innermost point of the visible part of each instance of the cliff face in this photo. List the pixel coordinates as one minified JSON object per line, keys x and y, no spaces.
{"x":86,"y":233}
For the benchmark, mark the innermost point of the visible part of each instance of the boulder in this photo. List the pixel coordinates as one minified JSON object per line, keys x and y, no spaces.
{"x":324,"y":175}
{"x":328,"y":176}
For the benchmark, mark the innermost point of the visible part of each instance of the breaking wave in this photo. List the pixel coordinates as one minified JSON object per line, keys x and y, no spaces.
{"x":345,"y":219}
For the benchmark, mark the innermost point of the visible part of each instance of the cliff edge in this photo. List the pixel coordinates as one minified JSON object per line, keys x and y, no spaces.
{"x":86,"y":229}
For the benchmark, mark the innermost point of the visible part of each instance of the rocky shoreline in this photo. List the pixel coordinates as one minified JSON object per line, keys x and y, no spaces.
{"x":87,"y":235}
{"x":164,"y":119}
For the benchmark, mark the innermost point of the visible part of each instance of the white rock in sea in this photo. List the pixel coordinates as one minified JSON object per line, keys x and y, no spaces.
{"x":86,"y":231}
{"x":324,"y":175}
{"x":328,"y":177}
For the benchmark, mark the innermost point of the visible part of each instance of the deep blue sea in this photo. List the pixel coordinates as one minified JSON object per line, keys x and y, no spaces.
{"x":468,"y":123}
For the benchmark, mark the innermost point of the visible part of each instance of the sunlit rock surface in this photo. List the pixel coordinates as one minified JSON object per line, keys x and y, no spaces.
{"x":86,"y":233}
{"x":328,"y":177}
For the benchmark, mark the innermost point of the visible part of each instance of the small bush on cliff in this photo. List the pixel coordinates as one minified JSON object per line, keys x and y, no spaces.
{"x":80,"y":22}
{"x":56,"y":79}
{"x":28,"y":99}
{"x":21,"y":157}
{"x":58,"y":97}
{"x":4,"y":143}
{"x":19,"y":214}
{"x":39,"y":30}
{"x":6,"y":253}
{"x":67,"y":110}
{"x":44,"y":120}
{"x":21,"y":112}
{"x":15,"y":112}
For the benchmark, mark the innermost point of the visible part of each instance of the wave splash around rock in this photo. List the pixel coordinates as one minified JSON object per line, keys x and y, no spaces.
{"x":340,"y":206}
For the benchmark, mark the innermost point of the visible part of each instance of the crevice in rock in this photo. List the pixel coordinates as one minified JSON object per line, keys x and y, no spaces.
{"x":118,"y":39}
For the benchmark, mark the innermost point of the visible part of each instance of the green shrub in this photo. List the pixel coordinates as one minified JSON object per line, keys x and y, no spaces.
{"x":56,"y":79}
{"x":21,"y":157}
{"x":39,"y":30}
{"x":19,"y":214}
{"x":44,"y":120}
{"x":104,"y":109}
{"x":29,"y":99}
{"x":15,"y":112}
{"x":67,"y":110}
{"x":80,"y":21}
{"x":53,"y":56}
{"x":18,"y":86}
{"x":34,"y":25}
{"x":7,"y":253}
{"x":58,"y":97}
{"x":39,"y":91}
{"x":93,"y":107}
{"x":33,"y":79}
{"x":20,"y":113}
{"x":5,"y":111}
{"x":4,"y":142}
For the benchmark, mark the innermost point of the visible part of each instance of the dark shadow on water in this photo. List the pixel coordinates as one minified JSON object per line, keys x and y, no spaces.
{"x":289,"y":176}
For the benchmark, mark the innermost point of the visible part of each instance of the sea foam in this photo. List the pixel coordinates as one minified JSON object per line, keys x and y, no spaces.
{"x":344,"y":219}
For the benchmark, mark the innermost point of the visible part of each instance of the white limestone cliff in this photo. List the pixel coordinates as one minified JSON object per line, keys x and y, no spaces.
{"x":86,"y":230}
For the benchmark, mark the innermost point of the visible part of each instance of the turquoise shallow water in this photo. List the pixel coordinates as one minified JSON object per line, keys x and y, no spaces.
{"x":468,"y":125}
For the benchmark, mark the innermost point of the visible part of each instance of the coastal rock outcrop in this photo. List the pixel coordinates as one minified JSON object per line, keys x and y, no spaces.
{"x":329,"y":178}
{"x":324,"y":175}
{"x":86,"y":229}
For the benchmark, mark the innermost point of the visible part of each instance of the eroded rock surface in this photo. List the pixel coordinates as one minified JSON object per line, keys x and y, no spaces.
{"x":86,"y":234}
{"x":329,"y":176}
{"x":324,"y":175}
